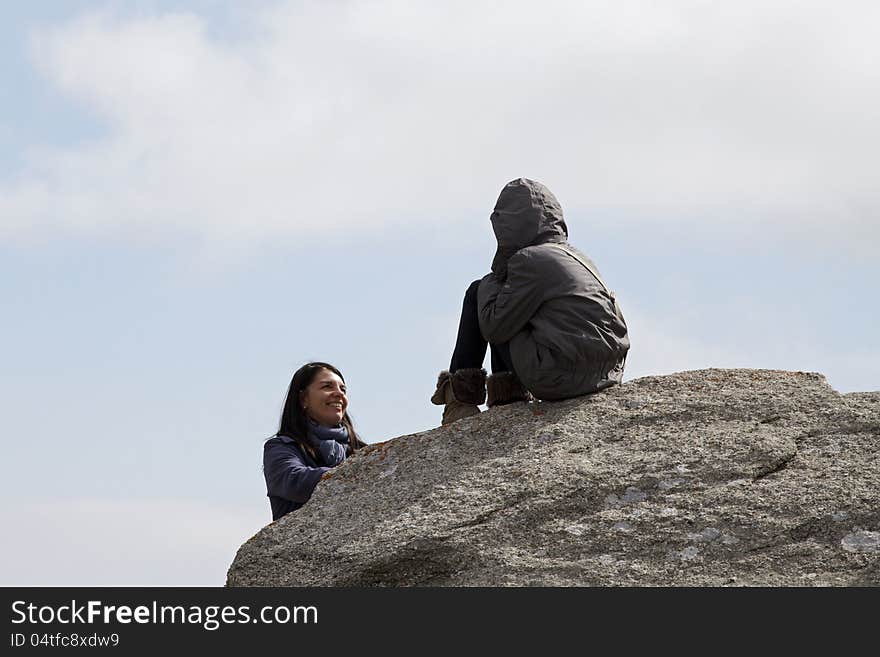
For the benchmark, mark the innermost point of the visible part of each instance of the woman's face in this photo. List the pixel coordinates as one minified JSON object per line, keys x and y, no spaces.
{"x":324,"y":398}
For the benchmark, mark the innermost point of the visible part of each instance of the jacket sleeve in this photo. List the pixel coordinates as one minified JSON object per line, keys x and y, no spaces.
{"x":287,"y":476}
{"x":505,"y":307}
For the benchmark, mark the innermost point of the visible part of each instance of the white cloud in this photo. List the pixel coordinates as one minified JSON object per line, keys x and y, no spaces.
{"x":95,"y":542}
{"x":749,"y":117}
{"x":744,"y":332}
{"x":664,"y":346}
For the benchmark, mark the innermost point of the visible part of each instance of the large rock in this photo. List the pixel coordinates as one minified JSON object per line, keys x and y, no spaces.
{"x":712,"y":477}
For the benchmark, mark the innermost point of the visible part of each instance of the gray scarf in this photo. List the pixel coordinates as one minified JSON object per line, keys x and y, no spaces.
{"x":329,"y":442}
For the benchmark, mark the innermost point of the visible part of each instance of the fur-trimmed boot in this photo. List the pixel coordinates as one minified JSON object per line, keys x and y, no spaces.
{"x":461,"y":392}
{"x":506,"y":388}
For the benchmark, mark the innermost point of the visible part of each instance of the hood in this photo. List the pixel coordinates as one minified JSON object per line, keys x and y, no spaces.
{"x":525,"y":214}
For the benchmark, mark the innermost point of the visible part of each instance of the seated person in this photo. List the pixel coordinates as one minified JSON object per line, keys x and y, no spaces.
{"x":554,"y":327}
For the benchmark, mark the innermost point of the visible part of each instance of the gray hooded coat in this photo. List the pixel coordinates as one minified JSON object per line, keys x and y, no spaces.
{"x":566,"y":332}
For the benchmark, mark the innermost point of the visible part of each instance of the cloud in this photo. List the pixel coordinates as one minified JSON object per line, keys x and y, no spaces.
{"x":688,"y":333}
{"x":666,"y":345}
{"x":96,"y":542}
{"x":750,"y":119}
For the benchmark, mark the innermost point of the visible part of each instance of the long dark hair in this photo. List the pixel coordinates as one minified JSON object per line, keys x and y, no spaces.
{"x":293,"y":417}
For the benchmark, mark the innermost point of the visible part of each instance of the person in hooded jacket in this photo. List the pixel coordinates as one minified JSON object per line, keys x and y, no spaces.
{"x":554,"y":328}
{"x":316,"y":434}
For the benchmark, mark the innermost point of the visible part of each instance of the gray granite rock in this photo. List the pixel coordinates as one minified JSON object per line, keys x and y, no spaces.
{"x":703,"y":478}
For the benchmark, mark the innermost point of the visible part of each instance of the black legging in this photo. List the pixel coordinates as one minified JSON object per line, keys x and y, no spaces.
{"x":470,"y":346}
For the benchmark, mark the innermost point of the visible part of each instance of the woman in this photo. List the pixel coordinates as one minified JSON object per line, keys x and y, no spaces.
{"x":316,"y":434}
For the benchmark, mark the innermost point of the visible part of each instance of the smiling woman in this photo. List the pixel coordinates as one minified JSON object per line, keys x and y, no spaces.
{"x":316,"y":434}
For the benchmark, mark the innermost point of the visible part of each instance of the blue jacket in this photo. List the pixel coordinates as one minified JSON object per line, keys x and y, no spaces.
{"x":291,"y":474}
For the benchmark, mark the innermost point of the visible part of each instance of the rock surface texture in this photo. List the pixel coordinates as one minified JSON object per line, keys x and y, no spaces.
{"x":702,"y":478}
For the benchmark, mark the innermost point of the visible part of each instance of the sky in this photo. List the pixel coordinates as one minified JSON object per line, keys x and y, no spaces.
{"x":198,"y":197}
